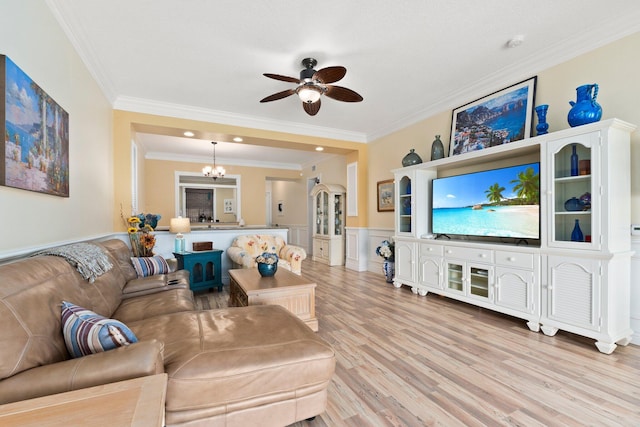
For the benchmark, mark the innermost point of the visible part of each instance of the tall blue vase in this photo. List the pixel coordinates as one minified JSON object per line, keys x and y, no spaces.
{"x":576,"y":234}
{"x":574,"y":160}
{"x":388,"y":267}
{"x":585,"y":109}
{"x":542,"y":127}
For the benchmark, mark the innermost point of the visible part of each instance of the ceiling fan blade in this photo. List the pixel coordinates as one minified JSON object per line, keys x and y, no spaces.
{"x":340,"y":93}
{"x":282,"y":78}
{"x":311,"y":109}
{"x":279,"y":95}
{"x":330,"y":74}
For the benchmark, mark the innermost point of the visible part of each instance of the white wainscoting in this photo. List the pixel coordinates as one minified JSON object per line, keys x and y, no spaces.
{"x":299,"y":236}
{"x":376,"y":236}
{"x":356,"y":248}
{"x":635,"y":290}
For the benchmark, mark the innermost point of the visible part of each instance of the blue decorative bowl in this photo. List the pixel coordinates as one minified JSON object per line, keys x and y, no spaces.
{"x":267,"y":270}
{"x":573,"y":204}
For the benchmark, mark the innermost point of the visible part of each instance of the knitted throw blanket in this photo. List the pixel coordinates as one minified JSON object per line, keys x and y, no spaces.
{"x":87,"y":258}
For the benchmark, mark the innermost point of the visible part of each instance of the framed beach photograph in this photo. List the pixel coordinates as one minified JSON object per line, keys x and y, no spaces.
{"x":36,"y":135}
{"x":500,"y":118}
{"x":386,"y":201}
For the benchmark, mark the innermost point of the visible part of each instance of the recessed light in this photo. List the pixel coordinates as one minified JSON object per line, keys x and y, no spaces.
{"x":319,"y":148}
{"x":237,"y":139}
{"x":188,"y":133}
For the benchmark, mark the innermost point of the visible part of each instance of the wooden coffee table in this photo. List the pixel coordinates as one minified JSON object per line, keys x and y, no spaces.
{"x":293,"y":292}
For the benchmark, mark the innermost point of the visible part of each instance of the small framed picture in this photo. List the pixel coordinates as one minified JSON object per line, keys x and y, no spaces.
{"x":386,"y":199}
{"x":500,"y":118}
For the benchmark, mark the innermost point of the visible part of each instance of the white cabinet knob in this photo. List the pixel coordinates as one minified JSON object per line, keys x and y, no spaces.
{"x":511,"y":259}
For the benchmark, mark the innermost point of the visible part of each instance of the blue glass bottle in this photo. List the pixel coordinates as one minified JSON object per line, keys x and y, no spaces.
{"x":574,"y":161}
{"x":576,"y":234}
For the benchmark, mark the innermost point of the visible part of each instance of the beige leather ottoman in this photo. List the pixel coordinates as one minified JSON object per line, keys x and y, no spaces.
{"x":244,"y":366}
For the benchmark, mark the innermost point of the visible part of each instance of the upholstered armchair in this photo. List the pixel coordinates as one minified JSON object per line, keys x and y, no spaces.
{"x":244,"y":250}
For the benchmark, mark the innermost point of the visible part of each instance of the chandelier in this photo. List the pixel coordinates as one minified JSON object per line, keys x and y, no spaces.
{"x":214,"y":172}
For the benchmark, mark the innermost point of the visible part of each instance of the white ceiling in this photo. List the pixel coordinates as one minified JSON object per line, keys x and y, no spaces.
{"x":409,"y":59}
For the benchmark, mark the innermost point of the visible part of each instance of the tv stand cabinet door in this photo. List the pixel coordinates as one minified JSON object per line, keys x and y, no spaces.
{"x":405,"y":263}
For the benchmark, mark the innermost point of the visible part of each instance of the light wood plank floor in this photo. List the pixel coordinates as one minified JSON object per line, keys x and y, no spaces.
{"x":406,"y":360}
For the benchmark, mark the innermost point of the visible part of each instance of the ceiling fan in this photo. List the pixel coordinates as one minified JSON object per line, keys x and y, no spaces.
{"x":313,"y":84}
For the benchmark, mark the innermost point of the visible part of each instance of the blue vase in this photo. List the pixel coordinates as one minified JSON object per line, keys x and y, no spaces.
{"x":586,"y":109}
{"x":388,"y":267}
{"x":267,"y":270}
{"x":576,"y":234}
{"x":542,"y":127}
{"x":574,"y":161}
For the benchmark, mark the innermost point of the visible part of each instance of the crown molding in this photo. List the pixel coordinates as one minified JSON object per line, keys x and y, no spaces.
{"x":79,"y":41}
{"x":147,"y":106}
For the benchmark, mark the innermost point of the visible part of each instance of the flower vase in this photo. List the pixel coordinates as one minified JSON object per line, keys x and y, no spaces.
{"x":388,"y":268}
{"x":267,"y":270}
{"x":542,"y":127}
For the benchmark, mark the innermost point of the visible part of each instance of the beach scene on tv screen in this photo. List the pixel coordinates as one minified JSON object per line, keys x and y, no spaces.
{"x":495,"y":203}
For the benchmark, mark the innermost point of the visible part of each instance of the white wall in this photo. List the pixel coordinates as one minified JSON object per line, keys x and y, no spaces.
{"x":34,"y":41}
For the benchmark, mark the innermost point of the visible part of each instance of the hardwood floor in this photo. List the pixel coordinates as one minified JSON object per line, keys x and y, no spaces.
{"x":406,"y":360}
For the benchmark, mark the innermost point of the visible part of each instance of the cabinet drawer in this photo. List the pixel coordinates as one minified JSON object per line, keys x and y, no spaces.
{"x":431,"y":249}
{"x":469,"y":254}
{"x":515,"y":259}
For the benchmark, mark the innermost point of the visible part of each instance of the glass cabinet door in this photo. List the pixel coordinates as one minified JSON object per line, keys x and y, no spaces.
{"x":479,"y":281}
{"x":573,"y":170}
{"x":337,"y":212}
{"x":319,"y":213}
{"x":325,"y":213}
{"x":405,"y":204}
{"x":455,"y":276}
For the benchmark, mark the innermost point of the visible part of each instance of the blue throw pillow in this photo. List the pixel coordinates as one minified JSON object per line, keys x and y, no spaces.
{"x":148,"y":266}
{"x":86,"y":332}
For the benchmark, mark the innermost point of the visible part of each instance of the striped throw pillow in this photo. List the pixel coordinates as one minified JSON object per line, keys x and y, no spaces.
{"x":148,"y":266}
{"x":86,"y":332}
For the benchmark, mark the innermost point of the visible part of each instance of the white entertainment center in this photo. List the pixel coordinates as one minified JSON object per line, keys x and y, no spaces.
{"x":554,"y":283}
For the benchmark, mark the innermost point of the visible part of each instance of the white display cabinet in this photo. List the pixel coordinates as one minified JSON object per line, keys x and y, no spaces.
{"x":328,"y":223}
{"x":577,"y":284}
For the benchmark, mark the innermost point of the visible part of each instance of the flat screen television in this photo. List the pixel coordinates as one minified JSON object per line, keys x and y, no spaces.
{"x":502,"y":202}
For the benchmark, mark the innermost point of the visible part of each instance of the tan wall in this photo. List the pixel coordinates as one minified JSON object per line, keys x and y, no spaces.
{"x":294,"y":196}
{"x":160,"y":197}
{"x":614,"y":67}
{"x":33,"y":40}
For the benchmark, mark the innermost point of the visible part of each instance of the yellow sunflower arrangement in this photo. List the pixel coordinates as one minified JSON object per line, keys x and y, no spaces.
{"x":142,"y":238}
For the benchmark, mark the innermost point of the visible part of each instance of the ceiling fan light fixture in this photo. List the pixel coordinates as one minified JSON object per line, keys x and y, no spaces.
{"x":309,"y":94}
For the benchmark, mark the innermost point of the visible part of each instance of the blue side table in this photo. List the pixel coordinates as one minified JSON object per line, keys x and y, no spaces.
{"x":205,"y":268}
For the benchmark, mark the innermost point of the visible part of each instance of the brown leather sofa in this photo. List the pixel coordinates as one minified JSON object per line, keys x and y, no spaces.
{"x":243,"y":366}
